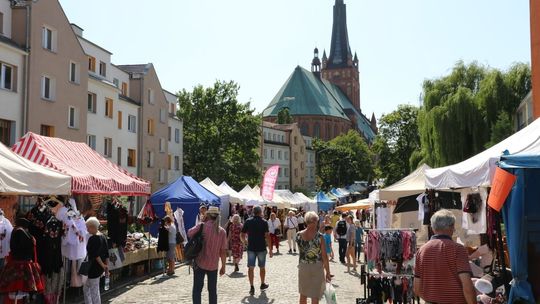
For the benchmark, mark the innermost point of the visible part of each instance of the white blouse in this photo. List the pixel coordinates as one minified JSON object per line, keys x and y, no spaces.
{"x":5,"y":236}
{"x":273,"y":225}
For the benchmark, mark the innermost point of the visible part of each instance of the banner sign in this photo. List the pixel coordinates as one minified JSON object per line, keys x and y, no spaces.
{"x":269,"y":183}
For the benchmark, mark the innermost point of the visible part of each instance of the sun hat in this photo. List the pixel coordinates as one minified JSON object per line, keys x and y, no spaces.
{"x":213,"y":210}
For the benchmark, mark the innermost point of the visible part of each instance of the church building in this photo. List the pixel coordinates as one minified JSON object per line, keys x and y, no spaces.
{"x":325,"y":102}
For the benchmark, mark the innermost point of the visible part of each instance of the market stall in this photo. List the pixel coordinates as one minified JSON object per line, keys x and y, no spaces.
{"x":323,"y":202}
{"x":184,"y":193}
{"x":225,"y":207}
{"x":358,"y":205}
{"x":235,"y":197}
{"x":414,"y":183}
{"x":253,"y":198}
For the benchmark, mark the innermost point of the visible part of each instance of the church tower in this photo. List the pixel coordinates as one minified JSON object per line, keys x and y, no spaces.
{"x":341,"y":68}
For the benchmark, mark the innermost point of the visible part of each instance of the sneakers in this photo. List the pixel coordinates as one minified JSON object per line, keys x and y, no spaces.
{"x":264,"y":286}
{"x":252,"y":290}
{"x":236,"y":269}
{"x":294,"y":250}
{"x":290,"y":251}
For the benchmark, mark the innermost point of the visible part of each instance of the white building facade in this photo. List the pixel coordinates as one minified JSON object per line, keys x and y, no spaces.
{"x":12,"y":65}
{"x":276,"y":151}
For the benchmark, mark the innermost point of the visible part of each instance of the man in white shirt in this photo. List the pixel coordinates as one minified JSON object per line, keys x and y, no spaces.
{"x":291,"y":223}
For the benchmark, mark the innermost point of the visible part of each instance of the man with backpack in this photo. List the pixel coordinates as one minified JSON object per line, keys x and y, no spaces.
{"x":206,"y":262}
{"x":340,"y":234}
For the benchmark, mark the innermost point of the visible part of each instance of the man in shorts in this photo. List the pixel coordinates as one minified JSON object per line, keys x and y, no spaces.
{"x":256,"y":228}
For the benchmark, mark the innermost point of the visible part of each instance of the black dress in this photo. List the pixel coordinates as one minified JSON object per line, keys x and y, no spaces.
{"x":117,"y":223}
{"x":163,"y":239}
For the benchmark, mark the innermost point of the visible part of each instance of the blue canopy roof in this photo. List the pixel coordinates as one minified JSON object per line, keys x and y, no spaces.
{"x":184,"y":190}
{"x":323,"y":202}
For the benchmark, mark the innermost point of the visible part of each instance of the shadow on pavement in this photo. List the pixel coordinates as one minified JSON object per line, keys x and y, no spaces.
{"x":236,"y":275}
{"x":262,"y":299}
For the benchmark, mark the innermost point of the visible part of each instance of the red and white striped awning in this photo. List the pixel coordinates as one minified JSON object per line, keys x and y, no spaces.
{"x":91,"y":173}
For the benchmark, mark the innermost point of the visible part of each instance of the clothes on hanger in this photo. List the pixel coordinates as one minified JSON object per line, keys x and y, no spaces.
{"x":396,"y":289}
{"x":5,"y":235}
{"x":390,"y":245}
{"x":117,"y":223}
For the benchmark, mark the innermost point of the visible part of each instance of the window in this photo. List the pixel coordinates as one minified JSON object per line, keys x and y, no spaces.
{"x":92,"y":102}
{"x":161,"y":177}
{"x":5,"y":132}
{"x":162,"y":115}
{"x":279,"y":172}
{"x":271,"y":154}
{"x":102,"y":68}
{"x":177,"y":163}
{"x":1,"y":23}
{"x":169,"y":161}
{"x":131,"y":158}
{"x":274,"y":137}
{"x":120,"y":120}
{"x":264,"y":135}
{"x":73,"y":117}
{"x":296,"y":172}
{"x":108,"y":108}
{"x":91,"y":141}
{"x":107,"y":147}
{"x":286,"y":155}
{"x":74,"y":72}
{"x":49,"y":39}
{"x":132,"y":124}
{"x":265,"y":154}
{"x":47,"y":88}
{"x":116,"y":82}
{"x":119,"y":156}
{"x":317,"y":131}
{"x":282,"y":138}
{"x":150,"y":127}
{"x":177,"y":135}
{"x":91,"y":64}
{"x":278,"y":154}
{"x":295,"y":140}
{"x":302,"y":150}
{"x":286,"y":172}
{"x":124,"y":89}
{"x":46,"y":130}
{"x":7,"y":77}
{"x":162,"y":145}
{"x":149,"y":159}
{"x":296,"y":156}
{"x":150,"y":96}
{"x":170,"y":133}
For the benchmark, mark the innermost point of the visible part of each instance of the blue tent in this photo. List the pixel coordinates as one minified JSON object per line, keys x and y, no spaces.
{"x":323,"y":202}
{"x":521,"y":214}
{"x":185,"y":193}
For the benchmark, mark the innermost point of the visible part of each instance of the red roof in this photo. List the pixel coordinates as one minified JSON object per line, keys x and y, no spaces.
{"x":91,"y":173}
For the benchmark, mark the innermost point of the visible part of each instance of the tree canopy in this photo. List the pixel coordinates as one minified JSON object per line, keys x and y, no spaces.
{"x":284,"y":116}
{"x":469,"y":110}
{"x":221,"y":135}
{"x":343,"y":160}
{"x":397,"y":141}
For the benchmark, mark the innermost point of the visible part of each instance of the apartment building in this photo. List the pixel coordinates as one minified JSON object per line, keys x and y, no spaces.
{"x":67,"y":86}
{"x":111,"y":115}
{"x":145,"y":87}
{"x":284,"y":145}
{"x":12,"y":65}
{"x":56,"y":74}
{"x":175,"y":138}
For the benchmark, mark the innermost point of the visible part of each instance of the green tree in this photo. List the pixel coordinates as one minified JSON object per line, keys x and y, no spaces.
{"x":284,"y":116}
{"x":220,"y":135}
{"x":396,"y":142}
{"x":343,"y":160}
{"x":461,"y":114}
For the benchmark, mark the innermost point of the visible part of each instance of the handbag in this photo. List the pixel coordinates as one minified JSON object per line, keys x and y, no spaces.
{"x":115,"y":261}
{"x":85,"y":267}
{"x":179,"y":238}
{"x":194,"y":245}
{"x":277,"y":232}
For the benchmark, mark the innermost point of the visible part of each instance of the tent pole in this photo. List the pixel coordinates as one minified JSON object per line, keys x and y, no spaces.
{"x":501,"y":254}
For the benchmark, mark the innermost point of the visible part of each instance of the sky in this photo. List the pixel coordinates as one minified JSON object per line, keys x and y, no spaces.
{"x":259,"y":43}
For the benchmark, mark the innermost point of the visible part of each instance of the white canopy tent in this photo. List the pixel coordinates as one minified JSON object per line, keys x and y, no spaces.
{"x":478,"y":170}
{"x":235,"y":197}
{"x":414,"y":183}
{"x":252,"y":197}
{"x":19,"y":176}
{"x":224,"y":198}
{"x":308,"y":203}
{"x":282,"y":199}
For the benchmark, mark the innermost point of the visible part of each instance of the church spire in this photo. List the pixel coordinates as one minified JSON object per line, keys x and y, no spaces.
{"x":340,"y":50}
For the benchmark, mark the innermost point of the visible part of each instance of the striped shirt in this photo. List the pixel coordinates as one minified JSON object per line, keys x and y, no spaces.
{"x":438,"y":264}
{"x":213,"y":244}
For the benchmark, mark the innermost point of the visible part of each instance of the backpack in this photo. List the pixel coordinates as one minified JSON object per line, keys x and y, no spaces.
{"x":341,"y":228}
{"x":194,"y":245}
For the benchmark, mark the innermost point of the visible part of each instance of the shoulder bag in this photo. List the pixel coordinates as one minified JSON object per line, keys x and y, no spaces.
{"x":194,"y":245}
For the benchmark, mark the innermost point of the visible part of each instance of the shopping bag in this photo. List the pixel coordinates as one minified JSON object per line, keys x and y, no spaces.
{"x":330,"y":294}
{"x":114,"y":259}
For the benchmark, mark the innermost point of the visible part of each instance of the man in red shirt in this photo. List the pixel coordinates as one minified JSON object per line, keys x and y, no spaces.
{"x":207,"y":262}
{"x":442,"y":271}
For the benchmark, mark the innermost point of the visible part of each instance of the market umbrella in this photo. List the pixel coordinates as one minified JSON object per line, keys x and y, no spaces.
{"x":361,"y":204}
{"x":446,"y":200}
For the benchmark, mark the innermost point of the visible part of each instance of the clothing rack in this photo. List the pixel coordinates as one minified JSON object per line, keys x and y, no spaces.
{"x":392,"y":229}
{"x":387,"y":276}
{"x":390,"y":275}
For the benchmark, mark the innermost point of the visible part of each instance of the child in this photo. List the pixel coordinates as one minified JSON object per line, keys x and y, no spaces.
{"x":328,"y":241}
{"x":359,"y":241}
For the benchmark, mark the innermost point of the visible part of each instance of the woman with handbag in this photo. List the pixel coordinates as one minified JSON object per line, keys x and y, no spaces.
{"x":274,"y":228}
{"x":98,"y":259}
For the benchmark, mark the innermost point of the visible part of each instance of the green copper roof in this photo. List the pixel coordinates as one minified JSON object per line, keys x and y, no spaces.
{"x":305,"y":94}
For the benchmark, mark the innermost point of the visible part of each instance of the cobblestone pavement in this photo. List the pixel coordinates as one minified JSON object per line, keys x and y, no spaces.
{"x":233,"y":288}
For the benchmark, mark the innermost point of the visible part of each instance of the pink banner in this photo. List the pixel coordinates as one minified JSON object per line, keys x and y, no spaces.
{"x":269,"y":183}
